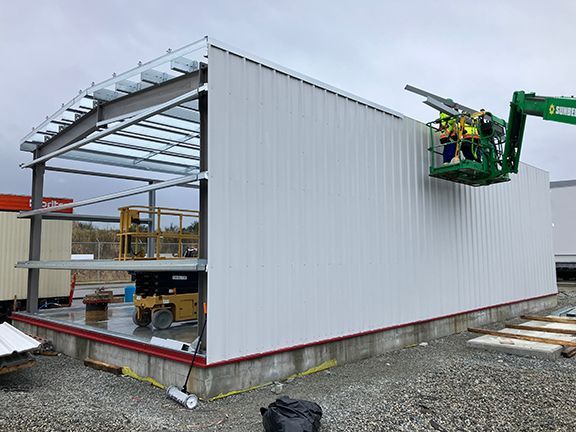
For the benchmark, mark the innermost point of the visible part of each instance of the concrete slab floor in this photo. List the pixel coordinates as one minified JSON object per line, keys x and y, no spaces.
{"x":120,"y":323}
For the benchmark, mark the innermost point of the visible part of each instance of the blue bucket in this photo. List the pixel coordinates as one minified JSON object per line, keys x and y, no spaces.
{"x":129,"y":294}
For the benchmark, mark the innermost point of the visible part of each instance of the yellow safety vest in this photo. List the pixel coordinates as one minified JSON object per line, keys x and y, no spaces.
{"x":471,"y":130}
{"x":446,"y":124}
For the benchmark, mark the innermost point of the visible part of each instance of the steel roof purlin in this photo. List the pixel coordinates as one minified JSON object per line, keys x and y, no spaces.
{"x":142,"y":67}
{"x":148,"y":116}
{"x":48,"y":152}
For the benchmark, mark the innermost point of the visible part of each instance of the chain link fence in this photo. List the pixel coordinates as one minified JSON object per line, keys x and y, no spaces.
{"x":109,"y":250}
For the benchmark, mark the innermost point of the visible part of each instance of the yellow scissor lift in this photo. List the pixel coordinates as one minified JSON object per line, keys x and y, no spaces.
{"x":161,"y":298}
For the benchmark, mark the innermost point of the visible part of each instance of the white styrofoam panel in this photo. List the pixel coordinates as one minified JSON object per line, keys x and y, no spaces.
{"x":323,"y":221}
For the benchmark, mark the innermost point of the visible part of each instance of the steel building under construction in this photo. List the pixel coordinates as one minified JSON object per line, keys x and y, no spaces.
{"x":322,"y":239}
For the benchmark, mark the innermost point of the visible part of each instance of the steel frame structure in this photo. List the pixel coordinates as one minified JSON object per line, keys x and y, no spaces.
{"x":152,"y":118}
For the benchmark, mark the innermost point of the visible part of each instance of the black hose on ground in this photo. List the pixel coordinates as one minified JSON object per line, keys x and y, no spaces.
{"x":195,"y":352}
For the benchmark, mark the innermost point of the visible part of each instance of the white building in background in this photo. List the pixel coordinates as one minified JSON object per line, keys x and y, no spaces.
{"x":14,"y":247}
{"x":563,"y":197}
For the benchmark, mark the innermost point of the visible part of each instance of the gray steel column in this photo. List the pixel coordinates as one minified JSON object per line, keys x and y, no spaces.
{"x":35,"y":236}
{"x":151,"y":246}
{"x":203,"y":208}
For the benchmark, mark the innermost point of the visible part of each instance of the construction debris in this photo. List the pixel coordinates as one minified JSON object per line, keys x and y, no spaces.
{"x":46,"y":347}
{"x":97,"y":304}
{"x":15,"y":348}
{"x":277,"y":387}
{"x":106,"y":367}
{"x":542,"y":336}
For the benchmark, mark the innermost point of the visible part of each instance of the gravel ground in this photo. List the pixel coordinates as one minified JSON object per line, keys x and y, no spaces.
{"x":443,"y":386}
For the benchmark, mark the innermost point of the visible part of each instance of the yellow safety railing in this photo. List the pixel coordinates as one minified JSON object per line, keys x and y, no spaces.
{"x":137,"y":232}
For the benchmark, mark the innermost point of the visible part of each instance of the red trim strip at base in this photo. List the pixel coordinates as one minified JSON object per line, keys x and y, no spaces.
{"x":201,"y":362}
{"x":368,"y":332}
{"x":156,"y":351}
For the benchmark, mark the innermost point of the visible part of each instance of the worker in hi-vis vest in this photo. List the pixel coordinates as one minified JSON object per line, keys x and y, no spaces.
{"x":448,"y":137}
{"x":470,"y":143}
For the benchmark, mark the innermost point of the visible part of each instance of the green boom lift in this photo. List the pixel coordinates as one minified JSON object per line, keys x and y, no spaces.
{"x":495,"y":144}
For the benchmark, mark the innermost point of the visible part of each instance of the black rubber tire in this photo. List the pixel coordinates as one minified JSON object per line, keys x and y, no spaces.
{"x":162,"y":319}
{"x":144,"y":320}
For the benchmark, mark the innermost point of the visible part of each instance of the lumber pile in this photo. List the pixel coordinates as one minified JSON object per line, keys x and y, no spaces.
{"x":540,"y":336}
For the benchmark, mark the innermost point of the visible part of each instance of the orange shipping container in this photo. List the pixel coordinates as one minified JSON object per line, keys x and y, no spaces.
{"x":23,"y":202}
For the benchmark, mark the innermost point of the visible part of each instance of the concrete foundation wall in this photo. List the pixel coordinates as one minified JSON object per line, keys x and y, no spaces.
{"x":164,"y":371}
{"x":217,"y":380}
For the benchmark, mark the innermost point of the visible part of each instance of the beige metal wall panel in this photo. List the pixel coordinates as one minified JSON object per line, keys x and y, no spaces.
{"x":563,"y":195}
{"x":323,"y":221}
{"x":14,"y":244}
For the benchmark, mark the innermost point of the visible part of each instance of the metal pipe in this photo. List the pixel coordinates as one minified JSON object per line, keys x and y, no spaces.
{"x":122,"y":194}
{"x":150,"y":245}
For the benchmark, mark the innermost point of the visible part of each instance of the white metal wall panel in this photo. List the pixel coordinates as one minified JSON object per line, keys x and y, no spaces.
{"x":323,"y":221}
{"x":564,"y":219}
{"x":14,"y":246}
{"x":13,"y":341}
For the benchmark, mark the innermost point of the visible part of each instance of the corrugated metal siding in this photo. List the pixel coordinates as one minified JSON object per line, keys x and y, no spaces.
{"x":13,"y":340}
{"x":323,"y":221}
{"x":14,"y":246}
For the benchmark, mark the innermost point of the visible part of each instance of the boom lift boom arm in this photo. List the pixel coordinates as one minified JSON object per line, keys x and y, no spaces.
{"x":559,"y":109}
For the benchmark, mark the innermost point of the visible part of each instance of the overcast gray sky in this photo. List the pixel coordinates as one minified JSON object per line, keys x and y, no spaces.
{"x":478,"y":55}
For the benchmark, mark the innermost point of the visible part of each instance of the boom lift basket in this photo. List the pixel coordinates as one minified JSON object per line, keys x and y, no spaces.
{"x":474,"y":161}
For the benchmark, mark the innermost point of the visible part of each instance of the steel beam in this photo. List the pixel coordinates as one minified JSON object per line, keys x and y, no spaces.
{"x":164,"y":127}
{"x":122,"y":107}
{"x":35,"y":237}
{"x":190,"y":48}
{"x":180,"y":113}
{"x":150,"y":151}
{"x":184,"y":65}
{"x":203,"y":217}
{"x":155,"y":77}
{"x":105,"y":158}
{"x":112,"y":175}
{"x":144,"y":137}
{"x":135,"y":191}
{"x":445,"y":101}
{"x":184,"y":114}
{"x":439,"y":106}
{"x":74,"y":217}
{"x":186,"y":264}
{"x":166,"y":151}
{"x":67,"y":146}
{"x":151,"y":245}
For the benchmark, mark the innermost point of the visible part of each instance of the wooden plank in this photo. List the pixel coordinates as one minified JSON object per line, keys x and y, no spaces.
{"x":569,"y":352}
{"x":106,"y":367}
{"x":542,"y":329}
{"x":14,"y":368}
{"x":524,"y":337}
{"x":562,"y":320}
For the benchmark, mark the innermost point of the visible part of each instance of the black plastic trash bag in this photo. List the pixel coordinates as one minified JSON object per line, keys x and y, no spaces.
{"x":291,"y":415}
